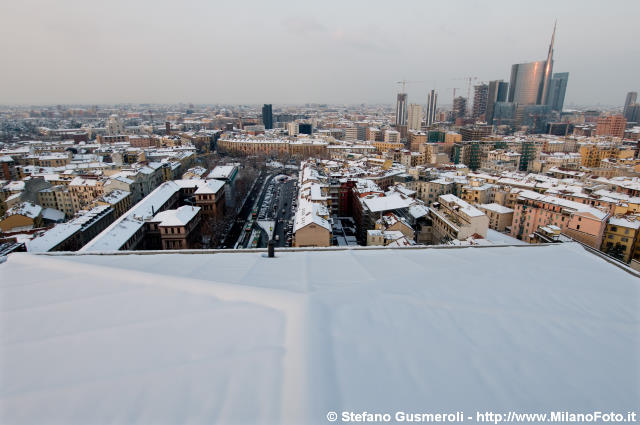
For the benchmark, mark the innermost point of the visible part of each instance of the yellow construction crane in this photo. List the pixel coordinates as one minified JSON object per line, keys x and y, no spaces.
{"x":469,"y":80}
{"x":405,"y":82}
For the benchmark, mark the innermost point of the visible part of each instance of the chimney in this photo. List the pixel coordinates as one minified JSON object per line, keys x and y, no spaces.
{"x":271,"y":249}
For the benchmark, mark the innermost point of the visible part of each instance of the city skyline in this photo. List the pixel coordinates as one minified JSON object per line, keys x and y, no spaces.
{"x":208,"y":54}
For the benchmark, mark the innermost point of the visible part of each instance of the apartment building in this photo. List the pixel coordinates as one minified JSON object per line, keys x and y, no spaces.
{"x":500,"y":217}
{"x":621,"y":237}
{"x":178,"y":227}
{"x":84,"y":191}
{"x":454,"y":218}
{"x":613,"y":126}
{"x":581,"y":222}
{"x":478,"y":192}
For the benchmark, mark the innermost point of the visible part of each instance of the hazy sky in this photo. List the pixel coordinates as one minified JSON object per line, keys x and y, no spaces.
{"x":274,"y":51}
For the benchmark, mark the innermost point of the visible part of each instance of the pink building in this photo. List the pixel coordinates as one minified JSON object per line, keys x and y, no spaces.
{"x":576,"y":220}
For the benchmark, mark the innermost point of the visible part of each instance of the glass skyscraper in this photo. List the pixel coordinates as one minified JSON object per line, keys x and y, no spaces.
{"x":267,"y":116}
{"x":557,"y":90}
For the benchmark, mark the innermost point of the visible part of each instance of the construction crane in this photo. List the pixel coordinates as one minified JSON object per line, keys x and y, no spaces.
{"x":454,"y":93}
{"x":405,"y":82}
{"x":469,"y":80}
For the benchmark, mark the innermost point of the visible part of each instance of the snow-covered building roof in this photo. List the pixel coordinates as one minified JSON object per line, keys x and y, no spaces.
{"x":53,"y":237}
{"x":501,"y":209}
{"x":310,"y":212}
{"x":124,"y":227}
{"x":463,"y":205}
{"x":240,"y":338}
{"x":222,"y":172}
{"x":576,"y":206}
{"x":178,"y":217}
{"x":387,"y":203}
{"x":26,"y":209}
{"x":208,"y":186}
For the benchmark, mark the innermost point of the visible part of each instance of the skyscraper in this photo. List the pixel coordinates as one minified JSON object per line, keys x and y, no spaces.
{"x":480,"y":97}
{"x":632,"y":97}
{"x":415,"y":117}
{"x":557,"y":90}
{"x":401,"y":109}
{"x":529,"y":83}
{"x":432,"y":103}
{"x":498,"y":91}
{"x":267,"y":116}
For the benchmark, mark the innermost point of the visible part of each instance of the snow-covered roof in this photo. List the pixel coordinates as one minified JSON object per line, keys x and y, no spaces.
{"x":496,"y":208}
{"x":241,"y":338}
{"x":576,"y":206}
{"x":51,"y":238}
{"x":625,"y":222}
{"x":222,"y":172}
{"x":208,"y":186}
{"x":52,"y":214}
{"x":387,"y":203}
{"x":310,"y":212}
{"x":463,"y":205}
{"x":26,"y":209}
{"x":178,"y":217}
{"x":120,"y":231}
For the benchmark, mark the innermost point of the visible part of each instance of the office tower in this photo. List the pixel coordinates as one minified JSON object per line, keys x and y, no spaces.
{"x":633,"y":113}
{"x":529,"y":83}
{"x":267,"y":116}
{"x":498,"y":91}
{"x":415,"y":117}
{"x":504,"y":113}
{"x":304,"y":128}
{"x":480,"y":97}
{"x":401,"y":109}
{"x":459,"y":107}
{"x":432,"y":103}
{"x":557,"y":90}
{"x":632,"y":97}
{"x":629,"y":111}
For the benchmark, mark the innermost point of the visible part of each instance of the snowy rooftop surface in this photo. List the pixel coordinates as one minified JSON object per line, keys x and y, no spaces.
{"x":496,"y":207}
{"x":463,"y":205}
{"x":241,"y":338}
{"x":178,"y":217}
{"x":26,"y":209}
{"x":208,"y":186}
{"x":49,"y":239}
{"x":625,"y":222}
{"x":387,"y":203}
{"x":125,"y":226}
{"x":222,"y":172}
{"x":115,"y":196}
{"x":52,"y":214}
{"x":499,"y":238}
{"x":310,"y":212}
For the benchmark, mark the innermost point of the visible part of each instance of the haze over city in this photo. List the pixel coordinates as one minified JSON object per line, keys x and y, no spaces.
{"x":292,"y":52}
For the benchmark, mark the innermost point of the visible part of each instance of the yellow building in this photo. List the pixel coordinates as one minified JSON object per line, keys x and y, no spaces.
{"x":620,"y":237}
{"x":23,"y":216}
